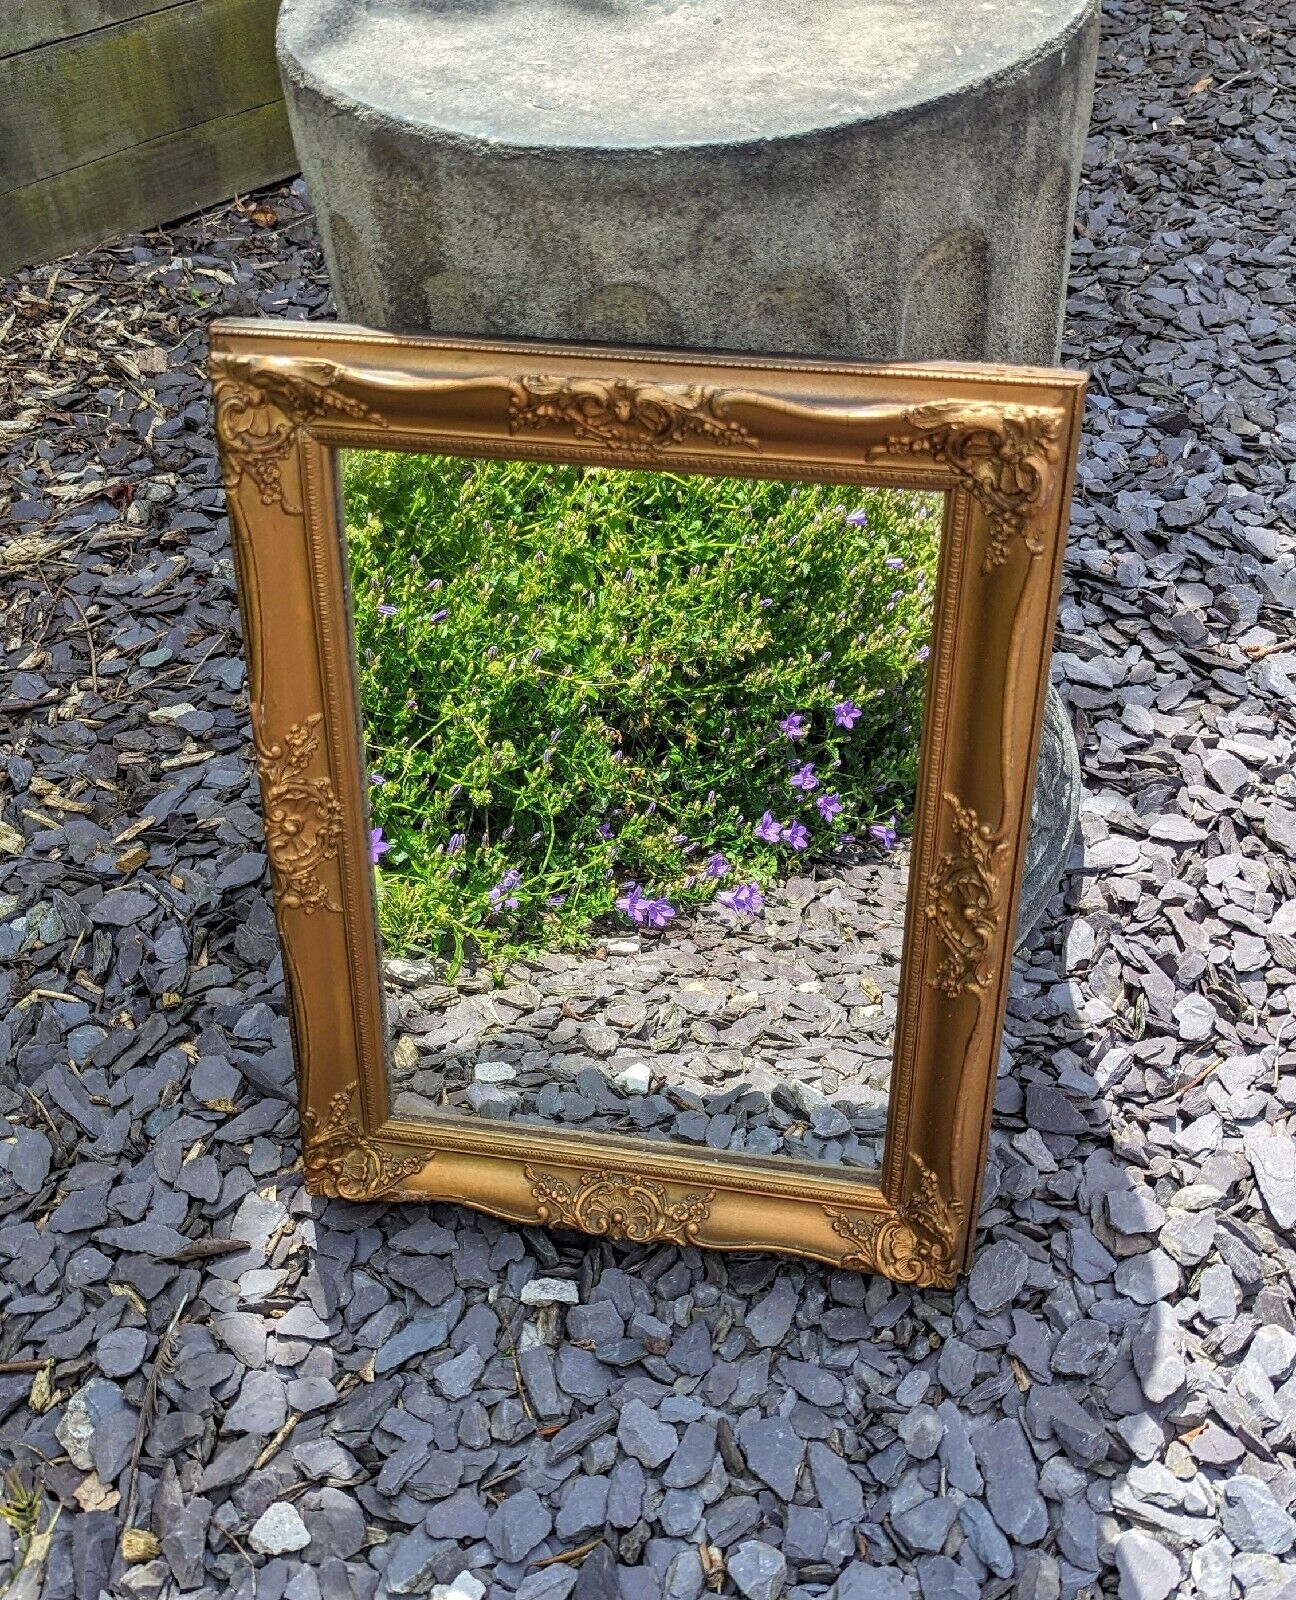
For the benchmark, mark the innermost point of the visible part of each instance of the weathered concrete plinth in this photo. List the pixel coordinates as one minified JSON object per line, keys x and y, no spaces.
{"x":863,"y":178}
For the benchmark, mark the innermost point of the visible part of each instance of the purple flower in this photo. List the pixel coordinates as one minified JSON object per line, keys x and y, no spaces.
{"x":632,"y":903}
{"x":658,"y":912}
{"x":846,"y":713}
{"x":858,"y":519}
{"x":829,"y":805}
{"x":605,"y":830}
{"x":896,"y":563}
{"x":640,"y":909}
{"x":746,"y":899}
{"x":923,"y":652}
{"x":438,"y":616}
{"x":377,"y":779}
{"x":716,"y":866}
{"x":796,"y":834}
{"x":885,"y":834}
{"x":794,"y":725}
{"x":455,"y":843}
{"x":804,"y":778}
{"x":501,"y":894}
{"x":556,"y":900}
{"x":767,"y":830}
{"x":378,"y":846}
{"x":387,"y":611}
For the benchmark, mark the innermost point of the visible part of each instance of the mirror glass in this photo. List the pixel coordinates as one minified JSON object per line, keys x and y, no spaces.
{"x":642,"y":752}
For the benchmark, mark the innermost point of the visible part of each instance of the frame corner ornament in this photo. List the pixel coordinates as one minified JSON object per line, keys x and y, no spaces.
{"x":964,"y":902}
{"x":343,"y":1163}
{"x":618,"y":1206}
{"x":626,"y":413}
{"x":1003,"y":456}
{"x":912,"y":1244}
{"x":303,"y":816}
{"x":258,"y":410}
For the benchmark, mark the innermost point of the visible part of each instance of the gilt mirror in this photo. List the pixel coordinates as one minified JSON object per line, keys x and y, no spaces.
{"x":646,"y":744}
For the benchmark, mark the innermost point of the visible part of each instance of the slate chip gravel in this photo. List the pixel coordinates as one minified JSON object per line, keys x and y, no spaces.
{"x":1113,"y":1387}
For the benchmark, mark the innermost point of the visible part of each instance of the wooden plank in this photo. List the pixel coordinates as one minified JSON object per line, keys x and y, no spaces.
{"x":151,"y":183}
{"x":78,"y":100}
{"x":24,"y":24}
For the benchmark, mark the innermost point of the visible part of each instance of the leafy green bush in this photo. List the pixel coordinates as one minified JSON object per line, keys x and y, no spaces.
{"x":589,"y":687}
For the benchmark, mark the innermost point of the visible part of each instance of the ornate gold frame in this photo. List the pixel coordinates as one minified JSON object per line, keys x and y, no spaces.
{"x":1000,"y":441}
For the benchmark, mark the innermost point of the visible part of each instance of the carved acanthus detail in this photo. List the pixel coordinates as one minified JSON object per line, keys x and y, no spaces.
{"x":913,"y":1244}
{"x":963,"y":901}
{"x":626,"y":413}
{"x":618,"y":1206}
{"x":1002,"y":457}
{"x":259,"y":410}
{"x":303,"y":817}
{"x":343,"y":1162}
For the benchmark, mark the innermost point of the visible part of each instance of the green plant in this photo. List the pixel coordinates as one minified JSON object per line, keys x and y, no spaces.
{"x":584,"y":688}
{"x":21,"y":1504}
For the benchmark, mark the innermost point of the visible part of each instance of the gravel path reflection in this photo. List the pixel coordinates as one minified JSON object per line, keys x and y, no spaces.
{"x":769,"y":1035}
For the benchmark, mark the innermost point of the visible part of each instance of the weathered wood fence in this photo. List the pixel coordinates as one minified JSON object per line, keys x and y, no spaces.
{"x":121,"y":114}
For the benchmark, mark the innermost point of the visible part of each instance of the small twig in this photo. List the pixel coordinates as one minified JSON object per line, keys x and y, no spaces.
{"x":514,"y":1328}
{"x":162,"y":1360}
{"x":236,"y":1544}
{"x":572,"y":1557}
{"x":1256,"y":651}
{"x":202,"y":659}
{"x":502,"y":1477}
{"x":90,"y":645}
{"x":206,"y":1249}
{"x":71,"y":957}
{"x":34,"y":1365}
{"x":1200,"y":1078}
{"x":40,"y":1105}
{"x":273,"y":1446}
{"x":45,"y":994}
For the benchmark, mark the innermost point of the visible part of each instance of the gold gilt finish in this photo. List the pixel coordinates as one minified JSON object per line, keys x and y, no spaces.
{"x":1000,"y":442}
{"x":343,"y":1162}
{"x":912,"y":1244}
{"x":964,"y":902}
{"x":303,"y":817}
{"x":620,"y":1207}
{"x":1003,"y":458}
{"x":625,"y":414}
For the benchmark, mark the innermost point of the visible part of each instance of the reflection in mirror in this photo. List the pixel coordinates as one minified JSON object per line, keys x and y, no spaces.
{"x":642,"y":757}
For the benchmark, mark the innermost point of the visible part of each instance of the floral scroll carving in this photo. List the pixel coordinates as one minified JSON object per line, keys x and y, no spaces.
{"x":963,"y":902}
{"x":618,"y":1206}
{"x":1002,"y":457}
{"x":259,"y":410}
{"x":344,"y":1163}
{"x":303,"y":817}
{"x":912,"y":1244}
{"x":626,"y":413}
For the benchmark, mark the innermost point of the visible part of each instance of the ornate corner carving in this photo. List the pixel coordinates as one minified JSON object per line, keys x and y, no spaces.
{"x":913,"y":1244}
{"x":963,"y":902}
{"x":618,"y":1206}
{"x":303,"y":817}
{"x":1003,"y":458}
{"x":259,"y":410}
{"x":626,"y":413}
{"x":344,"y":1163}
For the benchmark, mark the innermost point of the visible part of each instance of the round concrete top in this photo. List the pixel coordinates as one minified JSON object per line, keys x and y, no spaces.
{"x":650,"y":74}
